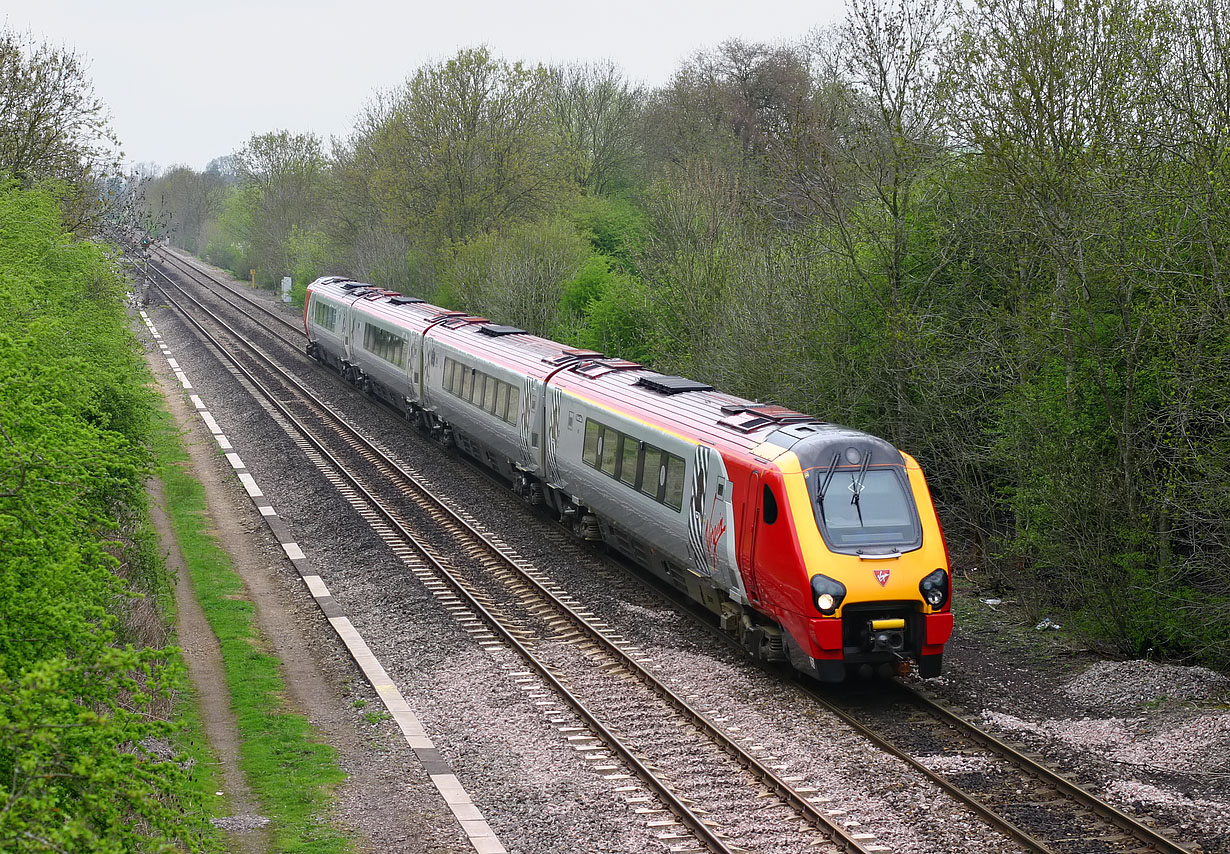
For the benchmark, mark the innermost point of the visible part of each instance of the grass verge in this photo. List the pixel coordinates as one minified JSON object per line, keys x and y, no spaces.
{"x":291,"y":772}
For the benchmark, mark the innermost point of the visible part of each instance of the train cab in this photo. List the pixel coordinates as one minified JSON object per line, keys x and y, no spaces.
{"x":848,"y":554}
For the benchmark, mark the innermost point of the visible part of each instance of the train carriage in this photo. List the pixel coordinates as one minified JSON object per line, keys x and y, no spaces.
{"x":488,"y":392}
{"x":811,"y":542}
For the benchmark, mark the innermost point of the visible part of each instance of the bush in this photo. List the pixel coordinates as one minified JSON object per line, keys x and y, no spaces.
{"x":517,"y":277}
{"x":77,"y":735}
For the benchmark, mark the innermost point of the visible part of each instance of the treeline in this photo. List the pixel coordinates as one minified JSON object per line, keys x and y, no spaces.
{"x":995,"y":233}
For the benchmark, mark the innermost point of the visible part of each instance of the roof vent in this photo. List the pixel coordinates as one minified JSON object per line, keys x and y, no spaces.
{"x":745,"y":419}
{"x":601,"y":367}
{"x":570,"y":355}
{"x":671,"y":385}
{"x":350,"y":286}
{"x":400,"y":300}
{"x":496,"y":331}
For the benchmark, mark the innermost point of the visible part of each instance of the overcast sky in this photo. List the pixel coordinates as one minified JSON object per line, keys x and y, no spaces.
{"x":187,"y":82}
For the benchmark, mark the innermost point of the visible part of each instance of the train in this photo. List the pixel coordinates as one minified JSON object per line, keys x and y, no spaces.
{"x":810,"y":542}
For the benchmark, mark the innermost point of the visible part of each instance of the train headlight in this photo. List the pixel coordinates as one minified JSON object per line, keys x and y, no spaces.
{"x":827,"y":593}
{"x":934,"y":588}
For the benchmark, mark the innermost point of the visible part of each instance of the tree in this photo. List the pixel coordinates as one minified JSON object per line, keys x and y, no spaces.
{"x":184,"y":202}
{"x":888,"y":53}
{"x":282,"y":179}
{"x":519,"y":275}
{"x":464,"y":147}
{"x":727,"y":107}
{"x":596,"y":112}
{"x":52,"y":126}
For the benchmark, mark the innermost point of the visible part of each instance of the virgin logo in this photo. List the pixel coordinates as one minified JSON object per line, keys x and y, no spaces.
{"x":882,"y":576}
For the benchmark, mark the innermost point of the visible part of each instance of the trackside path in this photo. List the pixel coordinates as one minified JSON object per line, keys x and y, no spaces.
{"x":202,"y":656}
{"x":479,"y":833}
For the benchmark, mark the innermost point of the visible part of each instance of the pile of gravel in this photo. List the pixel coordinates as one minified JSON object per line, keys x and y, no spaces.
{"x":1128,"y":684}
{"x":1086,"y":733}
{"x":1201,"y":744}
{"x":1190,"y":816}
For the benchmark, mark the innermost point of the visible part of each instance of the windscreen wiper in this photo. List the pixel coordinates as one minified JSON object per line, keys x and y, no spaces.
{"x":856,"y":486}
{"x":827,"y":477}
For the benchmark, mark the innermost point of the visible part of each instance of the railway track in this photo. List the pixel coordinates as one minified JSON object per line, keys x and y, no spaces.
{"x":207,"y":280}
{"x":1037,"y":808}
{"x":613,"y":710}
{"x":1040,"y":809}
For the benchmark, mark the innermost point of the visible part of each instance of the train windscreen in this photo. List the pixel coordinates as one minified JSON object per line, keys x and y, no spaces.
{"x":867,"y":508}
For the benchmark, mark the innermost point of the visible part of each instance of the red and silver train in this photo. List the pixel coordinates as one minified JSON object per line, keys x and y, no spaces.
{"x":811,"y":542}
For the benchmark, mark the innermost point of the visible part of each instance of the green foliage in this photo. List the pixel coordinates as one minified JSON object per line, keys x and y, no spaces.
{"x":79,"y":728}
{"x":518,"y":276}
{"x":269,"y":221}
{"x":615,"y":225}
{"x":465,"y":148}
{"x":594,"y":111}
{"x":183,"y":204}
{"x":309,"y":255}
{"x":593,"y":280}
{"x":53,"y":129}
{"x":226,"y":245}
{"x":616,"y":320}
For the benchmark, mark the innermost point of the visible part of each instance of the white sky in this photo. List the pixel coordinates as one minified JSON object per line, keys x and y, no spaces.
{"x":187,"y":82}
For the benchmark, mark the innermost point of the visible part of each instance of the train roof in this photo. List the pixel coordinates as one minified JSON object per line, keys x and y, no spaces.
{"x":678,"y":405}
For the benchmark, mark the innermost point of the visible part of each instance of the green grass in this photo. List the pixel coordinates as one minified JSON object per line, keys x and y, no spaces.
{"x":193,"y":745}
{"x":290,"y":771}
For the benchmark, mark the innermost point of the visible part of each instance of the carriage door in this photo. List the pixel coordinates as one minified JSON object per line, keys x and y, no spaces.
{"x":414,"y":366}
{"x":347,"y":319}
{"x":749,"y":528}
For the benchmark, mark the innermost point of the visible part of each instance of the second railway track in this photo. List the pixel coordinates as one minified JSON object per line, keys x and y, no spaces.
{"x":1039,"y":808}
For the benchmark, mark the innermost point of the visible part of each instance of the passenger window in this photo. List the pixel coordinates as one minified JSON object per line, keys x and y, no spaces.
{"x":610,"y":450}
{"x":629,"y":461}
{"x":501,"y":402}
{"x":467,"y":382}
{"x":674,"y":482}
{"x":476,"y":393}
{"x":448,"y":374}
{"x":590,"y":453}
{"x":489,"y":394}
{"x":769,"y":504}
{"x":653,"y":474}
{"x":324,"y":314}
{"x":514,"y":404}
